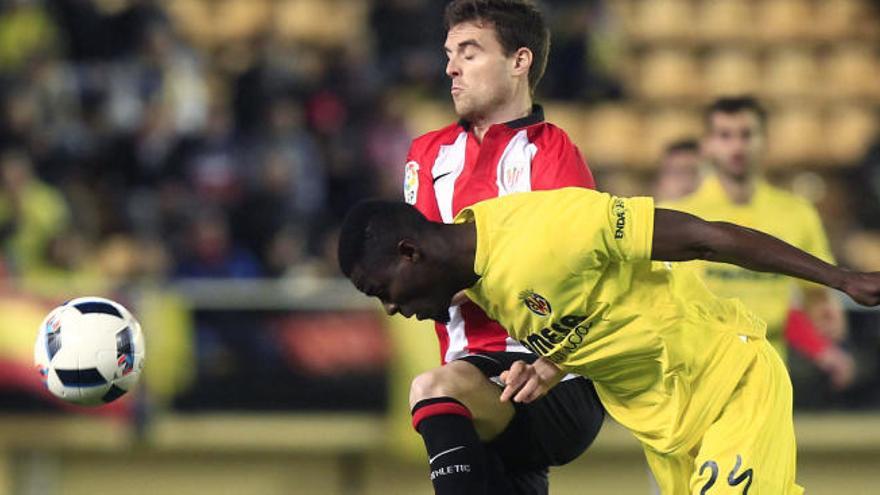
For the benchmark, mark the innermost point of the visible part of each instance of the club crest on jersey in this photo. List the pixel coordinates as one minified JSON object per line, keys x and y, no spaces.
{"x":512,"y":177}
{"x":411,"y":182}
{"x":535,"y":302}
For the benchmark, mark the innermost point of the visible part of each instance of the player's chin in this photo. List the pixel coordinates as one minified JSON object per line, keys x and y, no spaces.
{"x":440,"y":317}
{"x":462,"y":109}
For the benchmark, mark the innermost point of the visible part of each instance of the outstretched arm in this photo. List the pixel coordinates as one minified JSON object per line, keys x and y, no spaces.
{"x":681,"y":236}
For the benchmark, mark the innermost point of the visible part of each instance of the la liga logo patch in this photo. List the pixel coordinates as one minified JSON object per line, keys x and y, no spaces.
{"x":535,"y":302}
{"x":411,"y":182}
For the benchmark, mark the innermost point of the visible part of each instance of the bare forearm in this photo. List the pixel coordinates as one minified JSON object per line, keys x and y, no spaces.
{"x":760,"y":252}
{"x":680,"y":236}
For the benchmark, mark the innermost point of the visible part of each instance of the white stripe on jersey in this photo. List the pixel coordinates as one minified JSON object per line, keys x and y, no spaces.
{"x":457,"y":338}
{"x":513,"y":345}
{"x":447,"y":167}
{"x":514,"y":173}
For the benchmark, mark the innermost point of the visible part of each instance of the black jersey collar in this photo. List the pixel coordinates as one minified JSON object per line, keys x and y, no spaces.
{"x":535,"y":117}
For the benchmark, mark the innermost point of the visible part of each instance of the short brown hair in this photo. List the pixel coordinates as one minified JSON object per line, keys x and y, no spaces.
{"x":518,"y":23}
{"x":685,"y":145}
{"x":735,"y":104}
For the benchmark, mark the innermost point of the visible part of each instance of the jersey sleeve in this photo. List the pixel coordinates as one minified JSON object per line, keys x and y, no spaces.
{"x":598,"y":228}
{"x":559,"y":163}
{"x":418,"y":185}
{"x":629,"y":228}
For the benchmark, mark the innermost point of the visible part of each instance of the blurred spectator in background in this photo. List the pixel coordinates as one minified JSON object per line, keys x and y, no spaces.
{"x":32,"y":214}
{"x":734,"y":143}
{"x":406,"y":34}
{"x":26,"y":32}
{"x":210,"y":251}
{"x":678,"y":173}
{"x":585,"y":52}
{"x":271,"y":220}
{"x":866,"y":180}
{"x":160,"y":71}
{"x":386,"y":144}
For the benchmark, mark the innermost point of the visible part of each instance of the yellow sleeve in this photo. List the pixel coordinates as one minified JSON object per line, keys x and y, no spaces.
{"x":629,"y":229}
{"x":592,"y":229}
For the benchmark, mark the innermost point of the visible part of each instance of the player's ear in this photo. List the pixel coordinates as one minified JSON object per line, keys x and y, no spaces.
{"x":409,"y":250}
{"x":522,"y":61}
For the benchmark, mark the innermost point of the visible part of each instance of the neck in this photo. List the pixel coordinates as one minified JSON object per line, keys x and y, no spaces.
{"x":739,"y":189}
{"x":515,"y":108}
{"x":460,"y":249}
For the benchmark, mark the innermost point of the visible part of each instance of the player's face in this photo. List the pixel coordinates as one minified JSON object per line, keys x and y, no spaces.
{"x":479,"y":70}
{"x":735,"y":142}
{"x":407,"y":287}
{"x":679,"y":174}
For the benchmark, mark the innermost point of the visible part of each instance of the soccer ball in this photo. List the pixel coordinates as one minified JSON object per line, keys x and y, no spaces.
{"x":89,"y":351}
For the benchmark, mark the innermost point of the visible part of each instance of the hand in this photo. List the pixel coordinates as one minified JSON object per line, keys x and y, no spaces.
{"x":863,"y":288}
{"x":838,"y":365}
{"x":525,"y":382}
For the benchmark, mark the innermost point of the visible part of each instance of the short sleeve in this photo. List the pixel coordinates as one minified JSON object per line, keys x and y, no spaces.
{"x":629,"y":228}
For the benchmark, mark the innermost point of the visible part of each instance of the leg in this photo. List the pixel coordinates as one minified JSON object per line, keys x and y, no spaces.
{"x":750,"y":449}
{"x":465,"y":383}
{"x":450,"y":405}
{"x":525,"y":439}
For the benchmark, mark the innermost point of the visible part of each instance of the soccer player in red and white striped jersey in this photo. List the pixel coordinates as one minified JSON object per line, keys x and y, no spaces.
{"x":497,"y":51}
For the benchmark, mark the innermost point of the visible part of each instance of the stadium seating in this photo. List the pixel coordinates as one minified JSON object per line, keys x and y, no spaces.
{"x":852,"y":71}
{"x":790,"y":74}
{"x":795,"y":136}
{"x":669,"y":74}
{"x":731,"y":71}
{"x":725,"y":21}
{"x":804,"y":57}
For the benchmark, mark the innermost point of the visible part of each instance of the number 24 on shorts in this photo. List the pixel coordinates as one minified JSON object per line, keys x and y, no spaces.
{"x":735,"y":478}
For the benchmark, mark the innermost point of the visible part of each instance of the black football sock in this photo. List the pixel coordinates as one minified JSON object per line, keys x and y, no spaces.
{"x":455,"y":453}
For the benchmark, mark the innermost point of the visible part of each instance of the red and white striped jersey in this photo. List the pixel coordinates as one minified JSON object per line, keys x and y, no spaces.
{"x":448,"y":169}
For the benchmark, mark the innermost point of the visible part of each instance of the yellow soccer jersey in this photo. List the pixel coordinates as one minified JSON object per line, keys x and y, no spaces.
{"x":772,"y":210}
{"x":568,"y":273}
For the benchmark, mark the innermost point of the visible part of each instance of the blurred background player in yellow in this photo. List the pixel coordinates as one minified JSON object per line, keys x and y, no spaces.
{"x":679,"y":171}
{"x":736,"y":191}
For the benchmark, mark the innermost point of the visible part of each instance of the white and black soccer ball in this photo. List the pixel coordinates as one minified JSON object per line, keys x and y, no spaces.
{"x":89,"y":351}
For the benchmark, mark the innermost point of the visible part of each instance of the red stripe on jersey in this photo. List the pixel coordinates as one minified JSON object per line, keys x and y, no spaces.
{"x":483,"y":333}
{"x":443,"y":338}
{"x":477,"y":181}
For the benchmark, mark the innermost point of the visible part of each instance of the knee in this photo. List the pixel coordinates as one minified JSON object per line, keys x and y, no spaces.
{"x":428,"y":385}
{"x":445,"y":381}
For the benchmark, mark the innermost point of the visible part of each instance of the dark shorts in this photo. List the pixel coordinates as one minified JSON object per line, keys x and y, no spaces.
{"x":551,"y":431}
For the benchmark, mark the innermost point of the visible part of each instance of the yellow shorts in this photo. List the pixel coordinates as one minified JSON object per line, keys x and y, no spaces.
{"x":749,"y":449}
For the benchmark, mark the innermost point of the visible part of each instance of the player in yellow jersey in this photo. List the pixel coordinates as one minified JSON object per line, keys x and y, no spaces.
{"x":588,"y":282}
{"x":736,"y":191}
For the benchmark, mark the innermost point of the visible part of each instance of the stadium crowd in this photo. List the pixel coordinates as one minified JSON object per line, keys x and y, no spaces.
{"x":128,"y":154}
